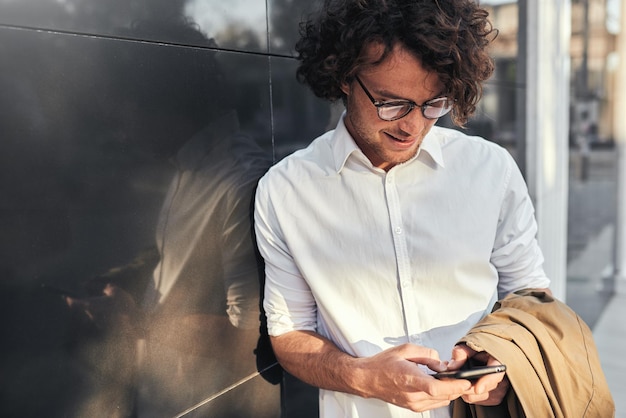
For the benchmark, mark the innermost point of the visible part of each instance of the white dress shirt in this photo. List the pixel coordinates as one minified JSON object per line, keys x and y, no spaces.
{"x":373,"y":259}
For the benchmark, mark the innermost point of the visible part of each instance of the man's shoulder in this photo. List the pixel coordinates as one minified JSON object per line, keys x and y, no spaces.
{"x":450,"y":135}
{"x":314,"y":160}
{"x":453,"y":141}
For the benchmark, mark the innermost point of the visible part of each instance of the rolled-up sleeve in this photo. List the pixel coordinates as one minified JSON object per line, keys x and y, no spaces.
{"x":516,"y":254}
{"x":288,"y":301}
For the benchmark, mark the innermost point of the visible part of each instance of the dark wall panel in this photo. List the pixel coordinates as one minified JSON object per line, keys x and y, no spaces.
{"x":299,"y":116}
{"x":284,"y":23}
{"x":103,"y":175}
{"x":236,"y":24}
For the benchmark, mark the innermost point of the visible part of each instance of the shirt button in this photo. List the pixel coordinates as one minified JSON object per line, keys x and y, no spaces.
{"x":398,"y":230}
{"x":406,"y":284}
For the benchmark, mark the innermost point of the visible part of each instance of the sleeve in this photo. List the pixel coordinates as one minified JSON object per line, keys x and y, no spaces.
{"x":239,"y":262}
{"x":288,"y":301}
{"x":516,"y":253}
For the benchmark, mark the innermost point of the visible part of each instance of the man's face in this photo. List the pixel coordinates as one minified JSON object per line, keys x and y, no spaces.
{"x":399,"y":77}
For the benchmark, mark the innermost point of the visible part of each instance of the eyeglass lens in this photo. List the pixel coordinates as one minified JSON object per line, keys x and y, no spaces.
{"x":433,"y":109}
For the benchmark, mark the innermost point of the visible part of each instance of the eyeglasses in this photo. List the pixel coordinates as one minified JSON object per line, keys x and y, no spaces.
{"x":396,"y":109}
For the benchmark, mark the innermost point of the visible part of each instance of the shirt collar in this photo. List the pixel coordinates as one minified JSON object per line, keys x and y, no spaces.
{"x":432,"y":144}
{"x":344,"y":146}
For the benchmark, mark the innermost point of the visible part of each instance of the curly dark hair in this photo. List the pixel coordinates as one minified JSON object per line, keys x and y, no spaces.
{"x":450,"y":37}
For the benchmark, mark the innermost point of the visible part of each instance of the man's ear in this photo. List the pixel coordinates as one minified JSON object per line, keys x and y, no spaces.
{"x":345,"y":87}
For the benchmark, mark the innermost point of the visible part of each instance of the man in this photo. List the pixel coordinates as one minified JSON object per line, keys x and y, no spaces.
{"x":388,"y":238}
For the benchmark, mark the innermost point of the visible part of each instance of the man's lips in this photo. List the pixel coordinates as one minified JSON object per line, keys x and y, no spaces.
{"x":399,"y":139}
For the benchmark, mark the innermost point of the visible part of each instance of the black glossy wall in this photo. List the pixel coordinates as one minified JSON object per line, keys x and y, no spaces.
{"x":133,"y":133}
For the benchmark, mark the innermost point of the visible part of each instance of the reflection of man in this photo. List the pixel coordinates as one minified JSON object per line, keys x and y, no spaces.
{"x":197,"y":320}
{"x":204,"y":291}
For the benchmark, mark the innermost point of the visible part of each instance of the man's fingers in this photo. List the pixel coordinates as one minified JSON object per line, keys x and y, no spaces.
{"x":488,"y":391}
{"x":460,"y":354}
{"x":424,"y":355}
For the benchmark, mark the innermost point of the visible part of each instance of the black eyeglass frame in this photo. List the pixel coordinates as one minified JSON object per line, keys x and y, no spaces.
{"x":411,"y":105}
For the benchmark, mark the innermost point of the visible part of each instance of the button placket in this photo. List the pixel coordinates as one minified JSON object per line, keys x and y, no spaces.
{"x":401,"y":251}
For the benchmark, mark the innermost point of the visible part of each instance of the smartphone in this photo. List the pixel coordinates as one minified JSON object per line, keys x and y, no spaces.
{"x":471,"y":373}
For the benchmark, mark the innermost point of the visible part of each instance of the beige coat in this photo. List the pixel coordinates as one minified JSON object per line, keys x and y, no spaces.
{"x":551,"y":358}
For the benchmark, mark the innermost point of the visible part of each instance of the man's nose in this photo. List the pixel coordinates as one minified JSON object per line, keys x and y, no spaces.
{"x":413,"y":123}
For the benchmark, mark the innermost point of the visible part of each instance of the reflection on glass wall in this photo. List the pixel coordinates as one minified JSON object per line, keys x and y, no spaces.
{"x":236,"y":24}
{"x":133,"y":137}
{"x":130,"y":280}
{"x":284,"y":18}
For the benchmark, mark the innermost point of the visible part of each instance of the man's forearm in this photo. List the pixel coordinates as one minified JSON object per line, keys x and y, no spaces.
{"x":318,"y":362}
{"x":393,"y":375}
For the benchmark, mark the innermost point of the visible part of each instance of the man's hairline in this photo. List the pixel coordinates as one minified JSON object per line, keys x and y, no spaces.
{"x":385,"y":52}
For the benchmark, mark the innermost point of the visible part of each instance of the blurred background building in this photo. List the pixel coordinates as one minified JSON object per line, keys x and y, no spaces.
{"x":555,"y":102}
{"x":82,"y":189}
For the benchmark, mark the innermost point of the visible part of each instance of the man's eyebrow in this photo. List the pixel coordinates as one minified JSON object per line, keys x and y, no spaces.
{"x":394,"y":98}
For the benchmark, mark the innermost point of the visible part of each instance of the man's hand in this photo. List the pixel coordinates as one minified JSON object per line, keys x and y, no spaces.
{"x":489,"y":390}
{"x":115,"y":310}
{"x":394,"y":375}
